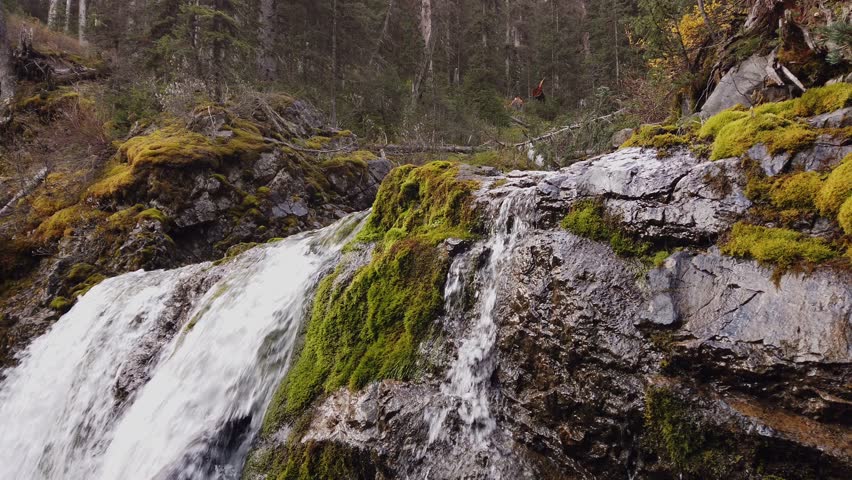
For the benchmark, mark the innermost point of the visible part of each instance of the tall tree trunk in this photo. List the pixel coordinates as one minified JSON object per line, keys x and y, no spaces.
{"x":334,"y":64}
{"x":7,"y":78}
{"x":52,"y":13}
{"x":714,"y":32}
{"x":81,"y":23}
{"x":426,"y":34}
{"x":67,"y":16}
{"x":218,"y":52}
{"x":382,"y":34}
{"x":266,"y":62}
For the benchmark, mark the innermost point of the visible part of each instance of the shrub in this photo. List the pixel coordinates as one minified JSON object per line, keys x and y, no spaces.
{"x":776,"y":246}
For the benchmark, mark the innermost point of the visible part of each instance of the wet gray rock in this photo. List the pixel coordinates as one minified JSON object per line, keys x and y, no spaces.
{"x":760,"y":361}
{"x":836,"y":119}
{"x":826,"y":153}
{"x":737,"y":85}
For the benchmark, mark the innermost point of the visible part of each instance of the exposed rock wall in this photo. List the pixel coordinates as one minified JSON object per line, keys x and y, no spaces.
{"x":705,"y":367}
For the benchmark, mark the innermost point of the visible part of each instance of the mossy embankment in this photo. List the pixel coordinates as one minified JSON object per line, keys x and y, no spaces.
{"x":368,"y":325}
{"x":781,"y":126}
{"x":785,"y":207}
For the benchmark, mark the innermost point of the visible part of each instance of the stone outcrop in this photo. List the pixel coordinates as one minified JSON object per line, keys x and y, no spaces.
{"x":705,"y":367}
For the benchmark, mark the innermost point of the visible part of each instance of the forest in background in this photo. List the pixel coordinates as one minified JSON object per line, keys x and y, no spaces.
{"x":426,"y":71}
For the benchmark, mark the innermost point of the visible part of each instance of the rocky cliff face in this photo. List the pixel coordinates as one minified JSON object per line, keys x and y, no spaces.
{"x":601,"y":366}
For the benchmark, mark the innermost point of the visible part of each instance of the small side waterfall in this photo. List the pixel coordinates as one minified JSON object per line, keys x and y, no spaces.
{"x":166,"y":374}
{"x":466,"y":385}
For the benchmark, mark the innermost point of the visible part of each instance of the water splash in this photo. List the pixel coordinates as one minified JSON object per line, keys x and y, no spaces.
{"x":202,"y":394}
{"x":466,"y":385}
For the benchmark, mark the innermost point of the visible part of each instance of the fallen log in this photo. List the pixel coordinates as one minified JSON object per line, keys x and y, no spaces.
{"x":423,"y":148}
{"x":560,"y":130}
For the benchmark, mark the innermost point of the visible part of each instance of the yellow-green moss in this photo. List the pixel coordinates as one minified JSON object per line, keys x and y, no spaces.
{"x":798,"y":190}
{"x":776,"y":246}
{"x":826,"y":99}
{"x":836,"y":189}
{"x":83,"y":287}
{"x":427,"y":201}
{"x":357,"y":159}
{"x":116,"y":179}
{"x":369,"y":327}
{"x":153,"y":214}
{"x":715,"y":123}
{"x":63,"y":222}
{"x":844,"y":217}
{"x":317,"y":143}
{"x":677,"y":435}
{"x":50,"y":101}
{"x":234,"y":251}
{"x":177,"y":146}
{"x":61,"y":304}
{"x":777,"y":133}
{"x":589,"y":219}
{"x":656,"y":136}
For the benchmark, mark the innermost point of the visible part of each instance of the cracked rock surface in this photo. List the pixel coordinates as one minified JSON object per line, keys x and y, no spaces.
{"x":758,"y":365}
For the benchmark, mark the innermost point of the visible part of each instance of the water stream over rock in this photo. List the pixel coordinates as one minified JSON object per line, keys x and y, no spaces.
{"x":163,"y":374}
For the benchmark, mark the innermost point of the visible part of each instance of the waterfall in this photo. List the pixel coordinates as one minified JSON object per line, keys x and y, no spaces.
{"x":466,"y":384}
{"x":165,"y":374}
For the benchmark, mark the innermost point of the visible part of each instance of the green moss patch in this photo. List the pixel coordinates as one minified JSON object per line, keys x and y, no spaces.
{"x":826,"y":99}
{"x":777,"y":133}
{"x":177,"y":146}
{"x":837,"y":189}
{"x":369,"y":327}
{"x":428,"y":201}
{"x":588,"y":218}
{"x":357,"y":159}
{"x":798,"y":190}
{"x":657,"y":136}
{"x":776,"y":246}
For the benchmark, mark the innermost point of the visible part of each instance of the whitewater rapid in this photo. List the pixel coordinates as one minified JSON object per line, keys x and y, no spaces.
{"x":165,"y":374}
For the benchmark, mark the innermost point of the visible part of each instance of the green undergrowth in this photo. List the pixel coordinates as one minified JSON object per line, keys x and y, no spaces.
{"x":589,"y":219}
{"x":369,"y":327}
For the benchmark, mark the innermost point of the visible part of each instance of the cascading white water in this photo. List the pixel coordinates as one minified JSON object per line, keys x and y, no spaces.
{"x":62,"y":415}
{"x":466,"y":383}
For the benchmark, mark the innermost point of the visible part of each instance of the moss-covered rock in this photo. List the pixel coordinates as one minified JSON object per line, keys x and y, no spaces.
{"x":369,"y":327}
{"x":657,"y":136}
{"x":588,"y":218}
{"x":777,"y":133}
{"x":776,"y":246}
{"x":176,"y":146}
{"x":837,"y":188}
